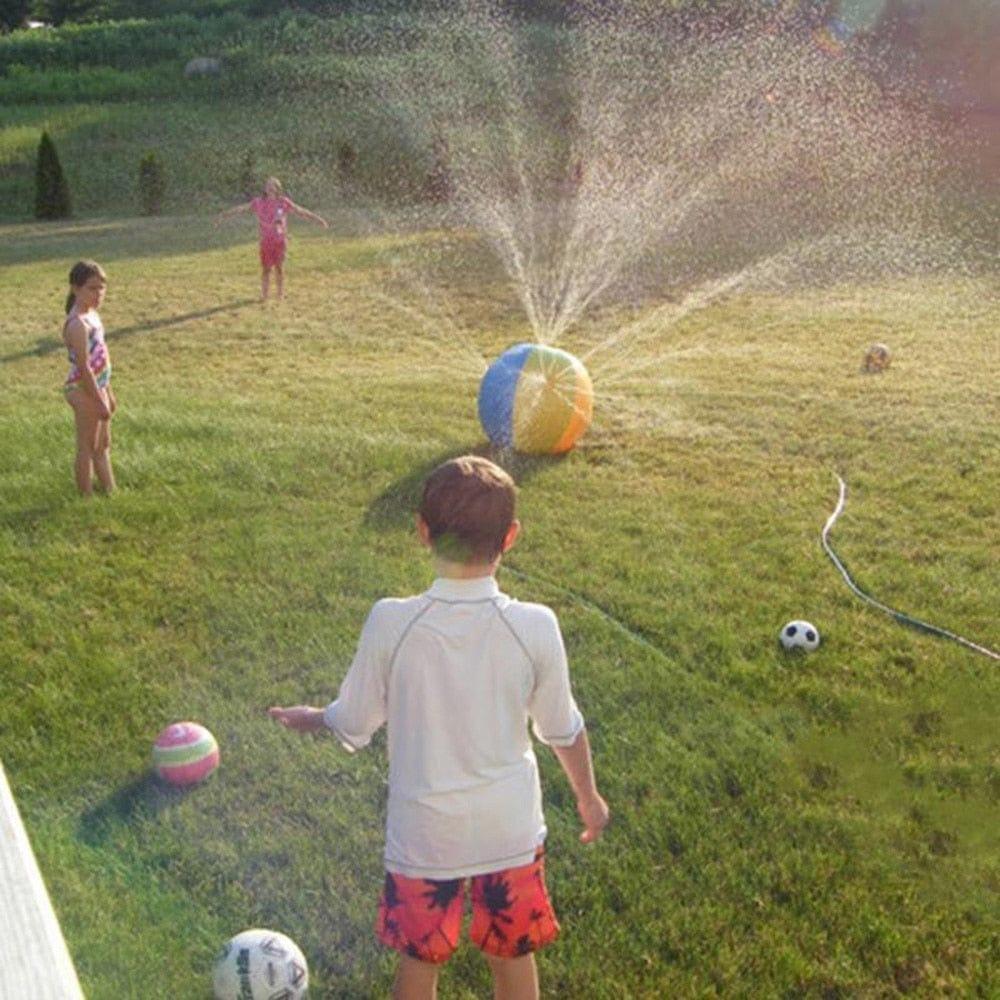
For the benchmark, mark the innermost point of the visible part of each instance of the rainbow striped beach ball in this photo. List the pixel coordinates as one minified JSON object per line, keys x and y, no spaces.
{"x":536,"y":399}
{"x":184,"y":753}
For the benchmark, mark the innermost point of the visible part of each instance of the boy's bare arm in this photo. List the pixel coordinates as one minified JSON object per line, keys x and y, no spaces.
{"x":576,"y":762}
{"x":304,"y":718}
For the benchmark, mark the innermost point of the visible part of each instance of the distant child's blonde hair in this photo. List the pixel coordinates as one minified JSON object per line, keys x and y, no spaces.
{"x":277,"y":184}
{"x":468,"y":504}
{"x":79,"y":274}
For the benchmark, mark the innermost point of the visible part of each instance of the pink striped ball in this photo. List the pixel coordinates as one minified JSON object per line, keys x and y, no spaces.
{"x":185,"y":753}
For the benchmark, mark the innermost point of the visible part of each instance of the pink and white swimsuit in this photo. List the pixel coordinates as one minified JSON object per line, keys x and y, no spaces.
{"x":98,"y":360}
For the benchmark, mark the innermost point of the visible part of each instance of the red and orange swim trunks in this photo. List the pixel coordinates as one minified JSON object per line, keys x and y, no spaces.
{"x":511,"y":913}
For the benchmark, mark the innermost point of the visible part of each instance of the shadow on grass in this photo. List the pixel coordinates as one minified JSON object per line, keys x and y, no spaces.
{"x":142,"y":798}
{"x":394,"y":507}
{"x":28,"y":519}
{"x":46,"y":345}
{"x":109,"y":240}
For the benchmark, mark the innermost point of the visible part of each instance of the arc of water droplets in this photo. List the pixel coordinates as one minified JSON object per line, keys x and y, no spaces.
{"x":663,"y":317}
{"x":474,"y":361}
{"x":898,"y":615}
{"x":762,"y":273}
{"x":608,"y":153}
{"x":651,"y":325}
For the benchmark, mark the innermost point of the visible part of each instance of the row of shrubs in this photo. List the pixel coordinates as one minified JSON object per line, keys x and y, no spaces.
{"x":244,"y":73}
{"x":129,"y":45}
{"x":121,"y":45}
{"x":52,"y":197}
{"x":93,"y":83}
{"x":428,"y":181}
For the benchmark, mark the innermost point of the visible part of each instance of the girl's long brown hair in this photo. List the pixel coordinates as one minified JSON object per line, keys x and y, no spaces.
{"x":79,"y":274}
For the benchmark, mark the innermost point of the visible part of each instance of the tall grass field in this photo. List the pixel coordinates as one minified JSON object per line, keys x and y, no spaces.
{"x":812,"y":826}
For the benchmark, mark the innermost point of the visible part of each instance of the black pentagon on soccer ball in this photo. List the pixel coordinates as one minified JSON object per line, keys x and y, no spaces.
{"x":790,"y":631}
{"x":810,"y":635}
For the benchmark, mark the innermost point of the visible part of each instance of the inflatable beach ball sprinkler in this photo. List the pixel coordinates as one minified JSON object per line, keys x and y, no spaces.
{"x":800,"y":635}
{"x":260,"y":965}
{"x":185,"y":753}
{"x":535,"y":399}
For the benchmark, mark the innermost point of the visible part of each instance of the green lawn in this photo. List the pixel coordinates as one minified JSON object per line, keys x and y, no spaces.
{"x":820,"y":826}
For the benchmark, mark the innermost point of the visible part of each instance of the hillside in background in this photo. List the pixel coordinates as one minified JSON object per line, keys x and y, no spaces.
{"x":297,"y":93}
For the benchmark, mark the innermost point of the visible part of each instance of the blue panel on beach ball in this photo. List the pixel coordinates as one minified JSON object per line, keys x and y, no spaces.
{"x":496,"y":395}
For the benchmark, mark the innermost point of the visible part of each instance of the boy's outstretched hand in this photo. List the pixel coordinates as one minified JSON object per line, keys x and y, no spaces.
{"x":595,"y":815}
{"x":303,"y":718}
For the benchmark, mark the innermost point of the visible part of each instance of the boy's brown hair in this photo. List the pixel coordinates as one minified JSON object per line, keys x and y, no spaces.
{"x":468,"y":505}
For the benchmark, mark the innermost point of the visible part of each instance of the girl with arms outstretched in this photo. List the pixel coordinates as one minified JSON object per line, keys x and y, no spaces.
{"x":272,"y":209}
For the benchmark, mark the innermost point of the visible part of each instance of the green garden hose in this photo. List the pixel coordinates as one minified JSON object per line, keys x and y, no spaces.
{"x":898,"y":615}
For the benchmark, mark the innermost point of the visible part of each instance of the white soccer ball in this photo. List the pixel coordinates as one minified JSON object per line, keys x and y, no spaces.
{"x":800,"y":635}
{"x":260,"y":965}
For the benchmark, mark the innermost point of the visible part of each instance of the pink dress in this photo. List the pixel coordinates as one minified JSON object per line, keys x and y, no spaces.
{"x":272,"y":217}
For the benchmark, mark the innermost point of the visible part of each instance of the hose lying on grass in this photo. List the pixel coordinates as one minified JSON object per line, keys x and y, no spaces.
{"x":898,"y":615}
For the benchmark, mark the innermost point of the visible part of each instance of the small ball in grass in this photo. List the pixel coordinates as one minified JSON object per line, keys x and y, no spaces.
{"x":185,"y":753}
{"x":877,"y":358}
{"x":536,"y":399}
{"x":800,"y":635}
{"x":259,"y":964}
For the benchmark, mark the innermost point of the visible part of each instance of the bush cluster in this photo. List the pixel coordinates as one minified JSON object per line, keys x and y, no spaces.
{"x":128,"y":45}
{"x":137,"y":60}
{"x":121,"y":45}
{"x":91,"y":84}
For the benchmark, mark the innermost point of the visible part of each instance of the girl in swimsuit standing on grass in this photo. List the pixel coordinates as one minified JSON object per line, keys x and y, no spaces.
{"x":272,"y":210}
{"x":88,"y":383}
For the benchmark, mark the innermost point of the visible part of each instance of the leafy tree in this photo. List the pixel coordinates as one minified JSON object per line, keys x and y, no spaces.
{"x":62,"y":11}
{"x":13,"y":13}
{"x":51,"y":191}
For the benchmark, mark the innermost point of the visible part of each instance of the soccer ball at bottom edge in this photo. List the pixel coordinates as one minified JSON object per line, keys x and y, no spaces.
{"x":800,"y":635}
{"x":259,"y":964}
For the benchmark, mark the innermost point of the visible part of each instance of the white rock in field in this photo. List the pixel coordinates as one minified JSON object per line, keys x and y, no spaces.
{"x":203,"y":66}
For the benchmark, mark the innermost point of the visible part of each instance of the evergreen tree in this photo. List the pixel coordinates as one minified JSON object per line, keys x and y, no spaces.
{"x":51,"y":191}
{"x":152,"y":184}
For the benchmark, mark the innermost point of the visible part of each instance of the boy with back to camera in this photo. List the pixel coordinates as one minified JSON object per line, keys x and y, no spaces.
{"x":457,"y":673}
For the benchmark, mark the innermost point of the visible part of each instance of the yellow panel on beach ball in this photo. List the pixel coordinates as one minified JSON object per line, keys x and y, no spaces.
{"x":553,"y":403}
